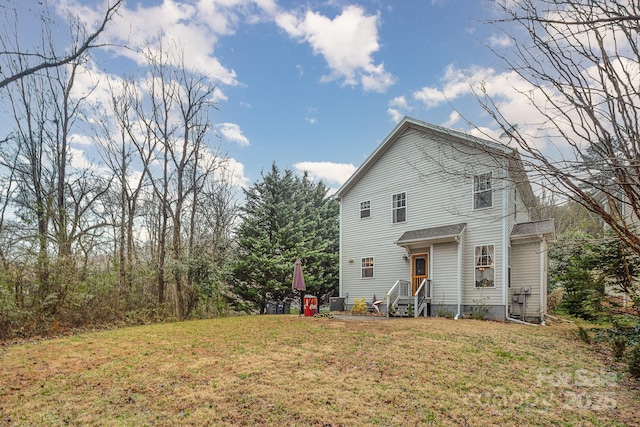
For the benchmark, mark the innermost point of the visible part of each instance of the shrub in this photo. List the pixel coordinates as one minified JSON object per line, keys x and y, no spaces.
{"x":618,"y":345}
{"x":633,"y":361}
{"x":359,"y":306}
{"x":554,"y":299}
{"x":584,"y":336}
{"x":584,"y":292}
{"x":480,"y":310}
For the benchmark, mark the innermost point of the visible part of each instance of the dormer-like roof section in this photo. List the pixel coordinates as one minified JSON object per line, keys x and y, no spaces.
{"x":526,"y":230}
{"x":431,"y":235}
{"x":515,"y":164}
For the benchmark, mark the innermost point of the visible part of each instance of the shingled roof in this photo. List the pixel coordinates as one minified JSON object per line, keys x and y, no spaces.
{"x":534,"y":228}
{"x":432,"y":233}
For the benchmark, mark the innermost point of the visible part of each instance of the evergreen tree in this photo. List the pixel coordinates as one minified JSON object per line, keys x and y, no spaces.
{"x":284,"y":218}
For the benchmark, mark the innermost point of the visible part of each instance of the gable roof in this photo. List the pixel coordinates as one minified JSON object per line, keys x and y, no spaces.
{"x":515,"y":163}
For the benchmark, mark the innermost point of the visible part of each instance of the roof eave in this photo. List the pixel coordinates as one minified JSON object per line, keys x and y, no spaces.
{"x":448,"y":238}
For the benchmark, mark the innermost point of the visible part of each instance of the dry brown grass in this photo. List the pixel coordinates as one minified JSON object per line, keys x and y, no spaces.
{"x":295,"y":371}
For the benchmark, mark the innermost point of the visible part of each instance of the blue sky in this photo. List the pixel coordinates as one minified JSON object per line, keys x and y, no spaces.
{"x":316,"y":85}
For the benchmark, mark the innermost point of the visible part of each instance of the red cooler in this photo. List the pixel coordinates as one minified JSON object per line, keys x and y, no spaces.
{"x":310,"y":305}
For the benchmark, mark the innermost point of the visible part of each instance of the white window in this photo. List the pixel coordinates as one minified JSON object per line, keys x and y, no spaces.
{"x":365,"y":209}
{"x":485,"y":266}
{"x":482,"y":191}
{"x":367,"y":267}
{"x":399,"y":207}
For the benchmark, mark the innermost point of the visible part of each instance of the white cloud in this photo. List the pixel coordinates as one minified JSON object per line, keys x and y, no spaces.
{"x":192,"y":29}
{"x":396,"y":115}
{"x":399,"y":102}
{"x":226,"y":168}
{"x":499,"y":41}
{"x":232,"y":132}
{"x":398,"y":108}
{"x":347,"y":43}
{"x":455,"y":83}
{"x":235,"y":169}
{"x":328,"y":172}
{"x":454,"y":117}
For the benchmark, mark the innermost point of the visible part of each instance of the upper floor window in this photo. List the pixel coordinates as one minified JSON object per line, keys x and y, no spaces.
{"x":367,"y":267}
{"x":400,"y":207}
{"x":482,"y":191}
{"x":485,"y":266}
{"x":365,"y":209}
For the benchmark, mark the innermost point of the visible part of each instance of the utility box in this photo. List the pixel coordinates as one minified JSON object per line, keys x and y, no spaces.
{"x":336,"y":304}
{"x":310,"y":305}
{"x":283,"y":307}
{"x":272,"y":307}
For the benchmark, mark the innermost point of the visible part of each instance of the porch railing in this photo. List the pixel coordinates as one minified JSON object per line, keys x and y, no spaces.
{"x":400,"y":289}
{"x":422,"y":296}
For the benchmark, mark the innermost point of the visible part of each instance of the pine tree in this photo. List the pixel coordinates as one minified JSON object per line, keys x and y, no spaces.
{"x":284,"y":218}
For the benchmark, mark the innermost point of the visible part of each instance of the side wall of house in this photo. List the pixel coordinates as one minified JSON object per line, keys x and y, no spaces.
{"x":445,"y":277}
{"x":525,"y":272}
{"x":436,"y":172}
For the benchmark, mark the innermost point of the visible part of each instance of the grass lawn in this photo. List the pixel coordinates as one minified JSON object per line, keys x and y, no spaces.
{"x":296,"y":371}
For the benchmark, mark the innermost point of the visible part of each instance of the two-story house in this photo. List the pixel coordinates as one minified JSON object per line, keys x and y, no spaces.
{"x":437,"y":222}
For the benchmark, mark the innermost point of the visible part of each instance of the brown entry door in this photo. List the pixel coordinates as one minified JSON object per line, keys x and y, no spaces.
{"x":419,"y":270}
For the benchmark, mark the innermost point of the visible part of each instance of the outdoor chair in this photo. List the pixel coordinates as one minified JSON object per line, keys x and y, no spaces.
{"x":374,"y":306}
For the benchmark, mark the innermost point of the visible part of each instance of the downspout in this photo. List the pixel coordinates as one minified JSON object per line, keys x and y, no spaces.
{"x":340,"y":287}
{"x":459,"y":314}
{"x":505,"y":247}
{"x":543,"y":278}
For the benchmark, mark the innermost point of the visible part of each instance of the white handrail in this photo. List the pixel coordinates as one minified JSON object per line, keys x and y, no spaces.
{"x":395,"y":293}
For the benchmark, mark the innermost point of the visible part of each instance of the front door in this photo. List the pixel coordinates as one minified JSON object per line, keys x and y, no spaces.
{"x":419,"y":270}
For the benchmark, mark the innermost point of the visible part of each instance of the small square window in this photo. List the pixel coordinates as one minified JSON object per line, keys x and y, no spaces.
{"x":482,"y":191}
{"x":367,"y":267}
{"x":399,"y":207}
{"x":365,"y":209}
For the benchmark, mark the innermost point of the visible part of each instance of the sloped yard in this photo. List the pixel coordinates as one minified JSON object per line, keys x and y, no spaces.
{"x":296,"y":371}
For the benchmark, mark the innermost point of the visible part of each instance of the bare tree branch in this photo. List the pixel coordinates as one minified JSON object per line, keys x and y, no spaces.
{"x":54,"y":62}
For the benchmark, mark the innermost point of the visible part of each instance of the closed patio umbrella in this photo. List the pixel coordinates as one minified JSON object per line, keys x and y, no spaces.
{"x":298,"y":280}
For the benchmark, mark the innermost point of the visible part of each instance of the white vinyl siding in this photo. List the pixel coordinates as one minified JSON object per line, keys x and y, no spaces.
{"x":439,"y":193}
{"x":445,"y":273}
{"x":482,"y":232}
{"x":525,"y":271}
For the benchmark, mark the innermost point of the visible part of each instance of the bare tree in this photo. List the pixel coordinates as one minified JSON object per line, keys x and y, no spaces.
{"x":577,"y":65}
{"x":122,"y":143}
{"x":175,"y":114}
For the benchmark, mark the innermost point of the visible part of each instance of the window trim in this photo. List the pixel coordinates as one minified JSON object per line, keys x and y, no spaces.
{"x":368,"y":209}
{"x":491,"y":255}
{"x":477,"y":192}
{"x":363,"y":267}
{"x":394,"y":208}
